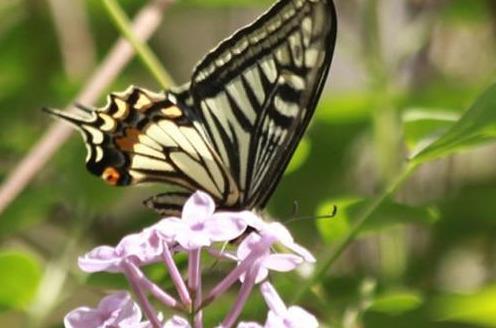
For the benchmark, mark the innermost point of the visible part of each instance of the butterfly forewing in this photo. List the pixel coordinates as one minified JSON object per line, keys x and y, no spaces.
{"x":257,"y":91}
{"x":232,"y":130}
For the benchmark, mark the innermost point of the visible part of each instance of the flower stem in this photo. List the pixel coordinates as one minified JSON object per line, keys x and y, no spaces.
{"x":272,"y":298}
{"x":243,"y":295}
{"x":155,"y":290}
{"x":234,"y":275}
{"x":147,"y":308}
{"x":194,"y":283}
{"x":326,"y":263}
{"x":144,"y":52}
{"x":176,"y":277}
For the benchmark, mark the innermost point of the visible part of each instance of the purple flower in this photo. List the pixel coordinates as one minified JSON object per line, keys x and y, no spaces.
{"x":141,"y":248}
{"x":177,"y":322}
{"x":199,"y":226}
{"x":116,"y":310}
{"x":283,"y":236}
{"x":249,"y":325}
{"x":282,"y":317}
{"x":268,"y":261}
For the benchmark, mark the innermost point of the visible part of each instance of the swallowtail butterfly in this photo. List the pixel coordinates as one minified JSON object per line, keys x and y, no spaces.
{"x":233,"y":128}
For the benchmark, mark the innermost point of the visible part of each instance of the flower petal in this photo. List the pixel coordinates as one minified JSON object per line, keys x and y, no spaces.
{"x":198,"y":208}
{"x":169,"y":228}
{"x":278,"y":231}
{"x":284,"y":237}
{"x":225,"y":226}
{"x":120,"y":307}
{"x":297,"y":314}
{"x":282,"y":262}
{"x":141,"y":247}
{"x":193,"y":240}
{"x":252,"y":220}
{"x":248,"y":245}
{"x":302,"y":251}
{"x":102,"y":258}
{"x":115,"y":301}
{"x":262,"y":274}
{"x":177,"y":322}
{"x":82,"y":317}
{"x":249,"y":325}
{"x":116,"y":310}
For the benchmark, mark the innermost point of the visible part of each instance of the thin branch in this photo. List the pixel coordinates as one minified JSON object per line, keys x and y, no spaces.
{"x":145,"y":23}
{"x":73,"y":33}
{"x":144,"y":52}
{"x":366,"y":214}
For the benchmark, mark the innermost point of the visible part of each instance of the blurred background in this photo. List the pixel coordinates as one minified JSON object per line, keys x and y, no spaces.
{"x":403,"y":71}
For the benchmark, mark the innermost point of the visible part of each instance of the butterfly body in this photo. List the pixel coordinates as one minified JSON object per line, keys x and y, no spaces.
{"x":233,"y":128}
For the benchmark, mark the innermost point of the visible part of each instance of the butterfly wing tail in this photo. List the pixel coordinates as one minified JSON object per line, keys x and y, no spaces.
{"x":72,"y":118}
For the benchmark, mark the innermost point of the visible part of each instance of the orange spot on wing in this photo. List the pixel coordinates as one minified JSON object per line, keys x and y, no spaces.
{"x":127,"y":142}
{"x":111,"y":175}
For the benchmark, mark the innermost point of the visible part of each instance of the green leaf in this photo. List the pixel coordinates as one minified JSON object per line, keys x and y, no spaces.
{"x":20,"y":274}
{"x":477,"y":309}
{"x":396,"y":303}
{"x":423,"y":125}
{"x":476,"y":126}
{"x":387,"y":215}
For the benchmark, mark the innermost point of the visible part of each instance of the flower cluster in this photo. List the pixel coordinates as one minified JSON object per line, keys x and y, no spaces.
{"x":199,"y":229}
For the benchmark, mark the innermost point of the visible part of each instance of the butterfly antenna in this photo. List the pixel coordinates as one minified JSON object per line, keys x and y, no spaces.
{"x":331,"y":215}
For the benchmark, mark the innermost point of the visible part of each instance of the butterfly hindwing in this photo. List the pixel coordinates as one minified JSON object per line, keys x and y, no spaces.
{"x":140,"y":136}
{"x":168,"y":204}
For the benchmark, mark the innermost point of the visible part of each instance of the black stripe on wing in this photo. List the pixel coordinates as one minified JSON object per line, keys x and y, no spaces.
{"x":168,"y":204}
{"x":140,"y":136}
{"x":256,"y":92}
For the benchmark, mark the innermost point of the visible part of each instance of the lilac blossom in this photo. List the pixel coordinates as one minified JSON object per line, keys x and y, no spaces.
{"x":116,"y":310}
{"x":199,"y":226}
{"x":140,"y":248}
{"x":283,"y":236}
{"x":268,"y":261}
{"x":281,"y":316}
{"x":177,"y":322}
{"x":249,"y":325}
{"x":197,"y":230}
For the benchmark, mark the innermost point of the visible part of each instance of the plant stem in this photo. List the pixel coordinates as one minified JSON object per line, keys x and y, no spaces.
{"x":195,"y":286}
{"x":243,"y":295}
{"x":134,"y":281}
{"x":326,"y":263}
{"x":176,"y":278}
{"x":143,"y":51}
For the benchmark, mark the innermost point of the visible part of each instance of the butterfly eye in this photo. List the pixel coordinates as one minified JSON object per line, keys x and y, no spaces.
{"x":111,"y":175}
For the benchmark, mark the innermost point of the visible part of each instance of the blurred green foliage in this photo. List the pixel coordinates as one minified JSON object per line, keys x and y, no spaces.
{"x":424,"y":258}
{"x":20,"y":275}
